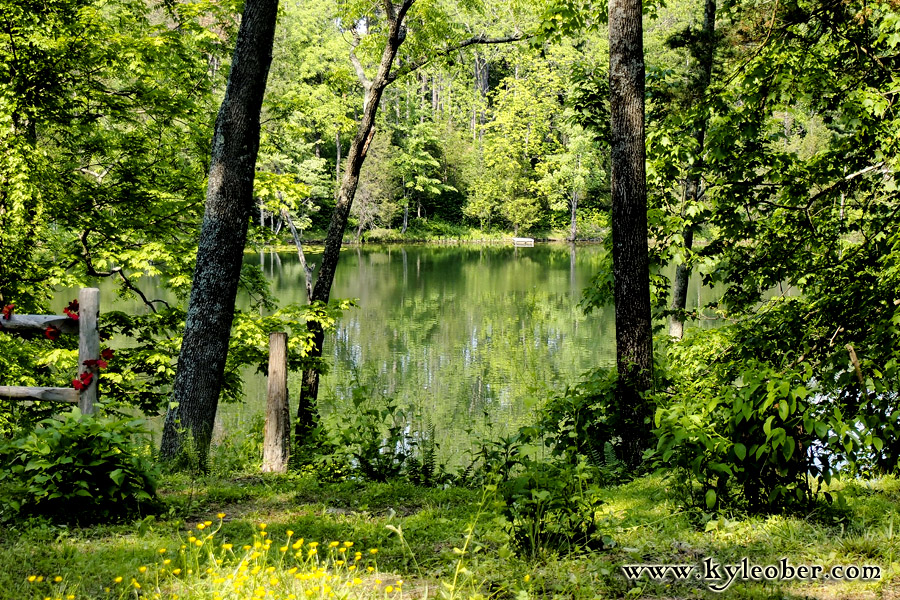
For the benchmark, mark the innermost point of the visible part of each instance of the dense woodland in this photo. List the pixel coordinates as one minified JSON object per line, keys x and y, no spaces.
{"x":764,"y":135}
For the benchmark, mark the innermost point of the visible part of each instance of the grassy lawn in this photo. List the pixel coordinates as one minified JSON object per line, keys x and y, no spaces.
{"x":420,"y":538}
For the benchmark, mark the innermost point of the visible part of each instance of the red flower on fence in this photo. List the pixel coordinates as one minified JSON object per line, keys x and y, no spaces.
{"x":95,"y":363}
{"x":52,"y":332}
{"x":83,"y":381}
{"x":72,"y":310}
{"x":8,"y":311}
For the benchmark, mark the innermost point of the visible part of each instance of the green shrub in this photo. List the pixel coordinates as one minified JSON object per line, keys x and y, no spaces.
{"x":77,"y":468}
{"x":551,"y":505}
{"x":744,"y":433}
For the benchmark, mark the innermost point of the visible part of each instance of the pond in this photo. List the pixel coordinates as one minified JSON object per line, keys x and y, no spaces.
{"x":462,"y":337}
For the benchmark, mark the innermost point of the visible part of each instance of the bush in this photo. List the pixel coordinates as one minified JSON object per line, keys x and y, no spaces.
{"x":744,"y":433}
{"x":77,"y":468}
{"x":551,"y":505}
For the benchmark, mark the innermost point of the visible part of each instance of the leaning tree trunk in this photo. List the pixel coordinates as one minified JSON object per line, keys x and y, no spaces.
{"x":374,"y":89}
{"x":229,"y":202}
{"x":692,"y":186}
{"x":309,"y":387}
{"x":631,"y":270}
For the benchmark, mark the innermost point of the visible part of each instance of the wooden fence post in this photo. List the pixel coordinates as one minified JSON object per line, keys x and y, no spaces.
{"x":88,"y":344}
{"x":277,"y":440}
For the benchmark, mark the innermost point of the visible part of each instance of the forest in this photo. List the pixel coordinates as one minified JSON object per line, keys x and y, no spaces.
{"x":692,"y":374}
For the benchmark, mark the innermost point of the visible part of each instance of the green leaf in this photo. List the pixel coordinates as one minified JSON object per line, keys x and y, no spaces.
{"x":710,"y":498}
{"x":740,"y":451}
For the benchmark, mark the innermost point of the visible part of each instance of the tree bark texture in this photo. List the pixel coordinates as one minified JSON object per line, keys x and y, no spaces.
{"x":229,"y":202}
{"x":631,"y":271}
{"x":692,"y":185}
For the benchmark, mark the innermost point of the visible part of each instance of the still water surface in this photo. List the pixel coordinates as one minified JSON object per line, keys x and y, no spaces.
{"x":460,"y":335}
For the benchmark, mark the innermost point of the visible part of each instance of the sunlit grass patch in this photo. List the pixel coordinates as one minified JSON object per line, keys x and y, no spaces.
{"x":205,"y":565}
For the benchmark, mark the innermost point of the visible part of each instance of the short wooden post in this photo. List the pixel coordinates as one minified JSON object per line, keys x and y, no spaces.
{"x":277,"y":441}
{"x":88,"y":344}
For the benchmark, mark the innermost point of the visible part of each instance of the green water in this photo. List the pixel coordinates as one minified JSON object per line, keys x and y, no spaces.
{"x":462,"y":336}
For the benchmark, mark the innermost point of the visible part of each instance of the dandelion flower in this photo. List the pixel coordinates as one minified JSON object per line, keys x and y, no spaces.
{"x":262,"y":525}
{"x":389,"y":589}
{"x":221,"y":515}
{"x":334,"y":544}
{"x":118,"y":580}
{"x":200,"y":526}
{"x":207,"y":523}
{"x":373,"y":551}
{"x":57,"y":579}
{"x":290,"y":533}
{"x":227,"y":546}
{"x":31,"y":578}
{"x":527,"y":578}
{"x":162,"y":550}
{"x":142,"y":569}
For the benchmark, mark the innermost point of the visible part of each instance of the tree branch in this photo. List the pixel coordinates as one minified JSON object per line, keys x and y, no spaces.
{"x":307,"y":269}
{"x":357,"y":65}
{"x":479,"y":40}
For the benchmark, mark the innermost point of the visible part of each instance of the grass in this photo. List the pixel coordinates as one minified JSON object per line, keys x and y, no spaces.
{"x":448,"y":541}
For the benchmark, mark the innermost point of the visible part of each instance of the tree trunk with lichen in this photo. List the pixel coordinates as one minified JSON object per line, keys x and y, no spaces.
{"x":631,"y":269}
{"x":229,"y":201}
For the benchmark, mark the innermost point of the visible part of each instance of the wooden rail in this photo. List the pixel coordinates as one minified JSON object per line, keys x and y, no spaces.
{"x":88,"y":350}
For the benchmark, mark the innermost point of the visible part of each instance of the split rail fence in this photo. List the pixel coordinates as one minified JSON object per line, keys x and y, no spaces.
{"x":88,"y":350}
{"x":276,"y":445}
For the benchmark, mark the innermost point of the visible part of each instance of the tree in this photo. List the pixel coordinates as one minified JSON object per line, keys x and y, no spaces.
{"x":520,"y":136}
{"x":229,"y":201}
{"x":394,"y":29}
{"x":568,"y":177}
{"x":631,"y":272}
{"x":703,"y":48}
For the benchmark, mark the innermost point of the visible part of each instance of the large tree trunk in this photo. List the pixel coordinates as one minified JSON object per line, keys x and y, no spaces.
{"x":631,"y":271}
{"x":229,"y":202}
{"x":692,"y":185}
